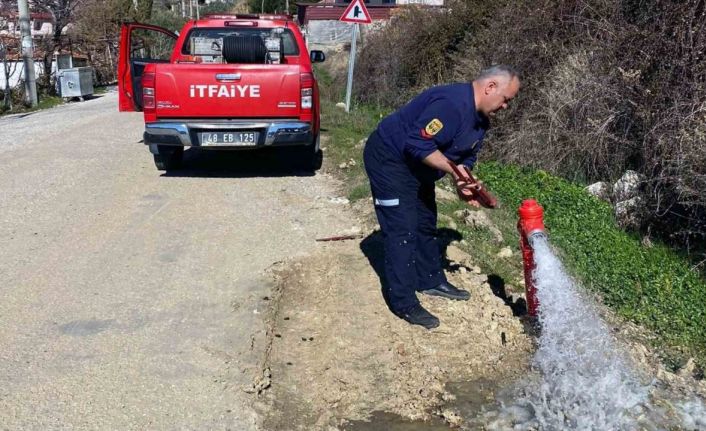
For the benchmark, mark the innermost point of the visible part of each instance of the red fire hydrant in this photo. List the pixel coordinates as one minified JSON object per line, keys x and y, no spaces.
{"x":531,"y":223}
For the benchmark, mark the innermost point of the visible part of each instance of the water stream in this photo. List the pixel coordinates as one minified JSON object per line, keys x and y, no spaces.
{"x":582,"y":379}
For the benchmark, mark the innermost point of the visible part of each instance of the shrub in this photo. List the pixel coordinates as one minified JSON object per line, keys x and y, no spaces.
{"x":413,"y":52}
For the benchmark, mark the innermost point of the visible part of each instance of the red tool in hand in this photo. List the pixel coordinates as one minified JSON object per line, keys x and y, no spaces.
{"x":467,"y":182}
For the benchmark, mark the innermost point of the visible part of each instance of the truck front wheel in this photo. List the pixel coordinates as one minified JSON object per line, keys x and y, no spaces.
{"x":169,"y":158}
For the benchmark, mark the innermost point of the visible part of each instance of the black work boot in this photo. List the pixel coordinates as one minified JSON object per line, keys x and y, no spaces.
{"x":447,"y":290}
{"x":417,"y":315}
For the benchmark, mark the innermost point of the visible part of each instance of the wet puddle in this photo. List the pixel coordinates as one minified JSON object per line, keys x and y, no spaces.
{"x":472,"y":396}
{"x":392,"y":422}
{"x":468,"y":400}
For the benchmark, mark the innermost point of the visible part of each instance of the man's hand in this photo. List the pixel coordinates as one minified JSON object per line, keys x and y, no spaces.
{"x":466,"y":192}
{"x":466,"y":187}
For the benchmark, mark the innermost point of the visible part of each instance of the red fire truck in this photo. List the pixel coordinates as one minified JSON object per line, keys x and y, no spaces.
{"x":225,"y":82}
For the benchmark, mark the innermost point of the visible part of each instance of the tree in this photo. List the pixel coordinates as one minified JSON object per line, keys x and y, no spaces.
{"x":271,"y":6}
{"x":97,"y":31}
{"x":8,"y":70}
{"x":62,"y":13}
{"x":142,"y":9}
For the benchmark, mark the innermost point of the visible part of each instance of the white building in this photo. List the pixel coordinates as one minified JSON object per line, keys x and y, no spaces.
{"x":40,"y":24}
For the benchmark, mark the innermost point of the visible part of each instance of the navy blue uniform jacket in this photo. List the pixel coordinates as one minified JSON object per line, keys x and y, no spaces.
{"x":441,"y":118}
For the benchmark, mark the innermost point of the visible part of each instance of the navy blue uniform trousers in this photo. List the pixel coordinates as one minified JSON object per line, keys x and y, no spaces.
{"x":405,"y":205}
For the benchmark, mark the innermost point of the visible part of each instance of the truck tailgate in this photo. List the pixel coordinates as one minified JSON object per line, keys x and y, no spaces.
{"x":227,"y":91}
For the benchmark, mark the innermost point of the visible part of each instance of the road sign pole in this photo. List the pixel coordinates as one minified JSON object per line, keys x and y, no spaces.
{"x":355,"y":13}
{"x":351,"y":66}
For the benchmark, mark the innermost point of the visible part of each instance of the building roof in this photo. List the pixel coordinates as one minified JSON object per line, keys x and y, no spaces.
{"x":40,"y":16}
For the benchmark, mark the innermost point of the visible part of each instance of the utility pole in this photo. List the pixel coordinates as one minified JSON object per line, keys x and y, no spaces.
{"x":198,"y":17}
{"x":27,"y":54}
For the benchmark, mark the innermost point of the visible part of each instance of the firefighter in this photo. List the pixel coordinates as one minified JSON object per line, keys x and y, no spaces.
{"x":411,"y":149}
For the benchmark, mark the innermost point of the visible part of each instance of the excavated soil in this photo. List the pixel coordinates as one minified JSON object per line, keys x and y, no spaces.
{"x":338,"y":356}
{"x":338,"y":359}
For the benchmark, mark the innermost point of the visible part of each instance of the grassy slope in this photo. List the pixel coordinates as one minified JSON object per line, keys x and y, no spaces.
{"x":45,"y":102}
{"x":653,"y":286}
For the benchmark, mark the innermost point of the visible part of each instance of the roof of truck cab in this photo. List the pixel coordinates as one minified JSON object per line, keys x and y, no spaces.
{"x":262,"y":20}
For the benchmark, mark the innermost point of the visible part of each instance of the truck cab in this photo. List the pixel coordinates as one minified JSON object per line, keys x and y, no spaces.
{"x":225,"y":82}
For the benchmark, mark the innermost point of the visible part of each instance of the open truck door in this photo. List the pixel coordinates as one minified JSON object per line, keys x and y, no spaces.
{"x":140,"y":45}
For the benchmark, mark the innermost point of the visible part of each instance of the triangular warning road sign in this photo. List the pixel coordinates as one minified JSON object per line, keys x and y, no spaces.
{"x":356,"y":12}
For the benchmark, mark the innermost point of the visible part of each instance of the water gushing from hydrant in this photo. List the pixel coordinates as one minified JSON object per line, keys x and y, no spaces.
{"x":583,"y":380}
{"x":586,"y":382}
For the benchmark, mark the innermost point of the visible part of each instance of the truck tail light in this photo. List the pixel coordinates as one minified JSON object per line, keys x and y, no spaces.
{"x":148,"y":101}
{"x":307,"y":92}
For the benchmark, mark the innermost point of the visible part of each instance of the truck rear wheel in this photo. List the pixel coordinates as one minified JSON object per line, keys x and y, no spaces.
{"x":311,"y":157}
{"x":305,"y":158}
{"x":315,"y":160}
{"x":314,"y":156}
{"x":169,"y":158}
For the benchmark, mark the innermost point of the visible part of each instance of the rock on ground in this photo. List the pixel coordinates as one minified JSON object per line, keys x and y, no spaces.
{"x":628,"y":186}
{"x":601,"y":190}
{"x":629,"y":213}
{"x":478,"y":219}
{"x":444,"y":194}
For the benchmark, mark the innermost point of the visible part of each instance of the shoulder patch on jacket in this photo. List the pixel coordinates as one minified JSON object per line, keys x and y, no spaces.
{"x":434,"y":127}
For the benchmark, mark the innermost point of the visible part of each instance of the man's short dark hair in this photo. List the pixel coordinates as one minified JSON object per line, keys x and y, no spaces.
{"x":499,"y":69}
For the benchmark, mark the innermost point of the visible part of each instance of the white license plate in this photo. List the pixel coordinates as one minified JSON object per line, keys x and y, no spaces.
{"x":240,"y":139}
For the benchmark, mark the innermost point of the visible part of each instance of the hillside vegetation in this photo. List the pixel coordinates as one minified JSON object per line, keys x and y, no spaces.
{"x":608,"y":85}
{"x":649,"y":284}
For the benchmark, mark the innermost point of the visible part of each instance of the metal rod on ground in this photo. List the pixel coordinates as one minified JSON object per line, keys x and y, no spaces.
{"x":27,"y":54}
{"x":351,"y":65}
{"x":340,"y":238}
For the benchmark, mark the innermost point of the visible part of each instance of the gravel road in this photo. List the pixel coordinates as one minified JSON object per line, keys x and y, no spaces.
{"x":133,"y":299}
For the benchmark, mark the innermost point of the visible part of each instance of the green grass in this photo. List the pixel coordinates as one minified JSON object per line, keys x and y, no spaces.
{"x":45,"y":102}
{"x":483,"y":245}
{"x":654,"y":287}
{"x":343,"y":132}
{"x":100,"y":89}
